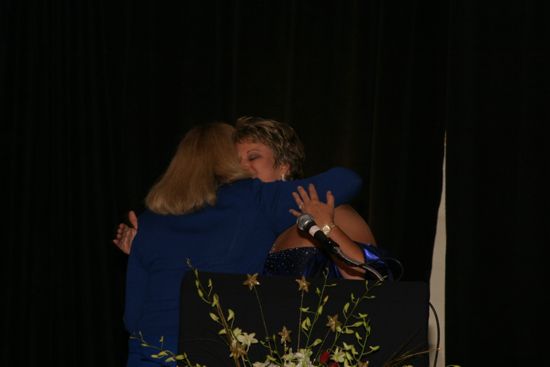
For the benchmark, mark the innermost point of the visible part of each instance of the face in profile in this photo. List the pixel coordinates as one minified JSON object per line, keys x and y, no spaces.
{"x":258,"y":159}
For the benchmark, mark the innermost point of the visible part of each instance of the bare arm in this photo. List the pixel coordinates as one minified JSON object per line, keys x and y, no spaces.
{"x":353,"y":224}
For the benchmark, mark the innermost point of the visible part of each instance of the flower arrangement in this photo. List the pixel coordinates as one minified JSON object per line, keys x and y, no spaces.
{"x":293,"y":347}
{"x":310,"y":351}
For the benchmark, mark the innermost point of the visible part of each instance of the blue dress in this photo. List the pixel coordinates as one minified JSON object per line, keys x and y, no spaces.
{"x":312,"y":262}
{"x":233,"y":236}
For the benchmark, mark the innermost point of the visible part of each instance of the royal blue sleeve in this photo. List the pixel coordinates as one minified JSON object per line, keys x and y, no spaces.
{"x":136,"y":281}
{"x":379,"y":259}
{"x":276,"y":197}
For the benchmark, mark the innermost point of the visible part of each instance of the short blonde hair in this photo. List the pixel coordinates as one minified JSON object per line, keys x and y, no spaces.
{"x":205,"y":159}
{"x":280,"y":137}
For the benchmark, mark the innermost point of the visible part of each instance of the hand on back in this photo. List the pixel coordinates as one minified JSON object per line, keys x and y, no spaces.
{"x":125,"y":234}
{"x":308,"y":202}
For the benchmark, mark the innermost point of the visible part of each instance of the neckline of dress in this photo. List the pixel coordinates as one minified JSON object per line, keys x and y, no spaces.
{"x":292,"y":249}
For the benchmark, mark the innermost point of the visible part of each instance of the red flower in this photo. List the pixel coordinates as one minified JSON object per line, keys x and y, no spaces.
{"x":325,"y":356}
{"x":334,"y":364}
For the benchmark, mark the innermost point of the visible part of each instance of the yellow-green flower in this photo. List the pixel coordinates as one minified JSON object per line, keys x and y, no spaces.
{"x":247,"y":339}
{"x":285,"y":335}
{"x":251,"y":281}
{"x":338,"y":355}
{"x":237,"y":349}
{"x":303,"y":284}
{"x":333,"y":322}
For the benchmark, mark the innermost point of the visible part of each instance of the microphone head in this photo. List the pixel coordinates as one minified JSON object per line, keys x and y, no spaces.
{"x":304,"y":222}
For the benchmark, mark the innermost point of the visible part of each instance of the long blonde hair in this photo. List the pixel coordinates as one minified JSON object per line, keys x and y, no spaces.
{"x":205,"y":159}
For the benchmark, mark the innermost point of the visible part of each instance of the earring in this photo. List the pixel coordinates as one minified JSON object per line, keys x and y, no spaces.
{"x":283,"y":178}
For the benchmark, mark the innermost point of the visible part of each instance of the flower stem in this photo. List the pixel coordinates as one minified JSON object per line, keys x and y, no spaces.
{"x":263,"y":321}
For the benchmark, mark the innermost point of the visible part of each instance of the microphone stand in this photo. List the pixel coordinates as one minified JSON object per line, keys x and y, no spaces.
{"x":306,"y":224}
{"x":338,"y":252}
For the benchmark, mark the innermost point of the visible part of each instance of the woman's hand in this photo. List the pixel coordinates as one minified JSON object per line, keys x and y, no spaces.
{"x":125,"y":234}
{"x":322,"y":213}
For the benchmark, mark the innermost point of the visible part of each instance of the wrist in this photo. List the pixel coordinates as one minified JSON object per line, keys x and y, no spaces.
{"x":327,"y":228}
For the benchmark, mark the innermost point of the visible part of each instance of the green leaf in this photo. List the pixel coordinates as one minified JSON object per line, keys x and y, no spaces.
{"x":214,"y":317}
{"x":222,"y":332}
{"x":180,"y":357}
{"x":306,"y":324}
{"x":230,"y":314}
{"x":316,"y":342}
{"x":346,"y":307}
{"x":320,"y":310}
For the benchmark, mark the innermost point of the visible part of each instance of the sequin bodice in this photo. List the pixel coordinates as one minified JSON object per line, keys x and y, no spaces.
{"x":311,"y":262}
{"x":297,"y":261}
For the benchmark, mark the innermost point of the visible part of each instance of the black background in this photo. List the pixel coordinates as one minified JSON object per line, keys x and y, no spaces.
{"x":95,"y":96}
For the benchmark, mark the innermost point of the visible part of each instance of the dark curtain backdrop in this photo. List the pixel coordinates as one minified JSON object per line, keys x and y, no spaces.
{"x":497,"y":186}
{"x":95,"y":96}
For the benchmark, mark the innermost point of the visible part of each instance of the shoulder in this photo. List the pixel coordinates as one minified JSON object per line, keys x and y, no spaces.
{"x":240,"y":185}
{"x":248,"y":193}
{"x":146,"y":217}
{"x":239,"y":189}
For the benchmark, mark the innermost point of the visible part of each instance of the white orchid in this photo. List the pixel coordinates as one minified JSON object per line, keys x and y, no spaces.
{"x":247,"y":339}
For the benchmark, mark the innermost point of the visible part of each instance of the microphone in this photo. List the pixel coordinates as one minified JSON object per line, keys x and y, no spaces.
{"x":306,"y":223}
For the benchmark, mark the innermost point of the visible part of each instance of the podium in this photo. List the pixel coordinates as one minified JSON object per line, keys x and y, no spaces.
{"x":397,"y":313}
